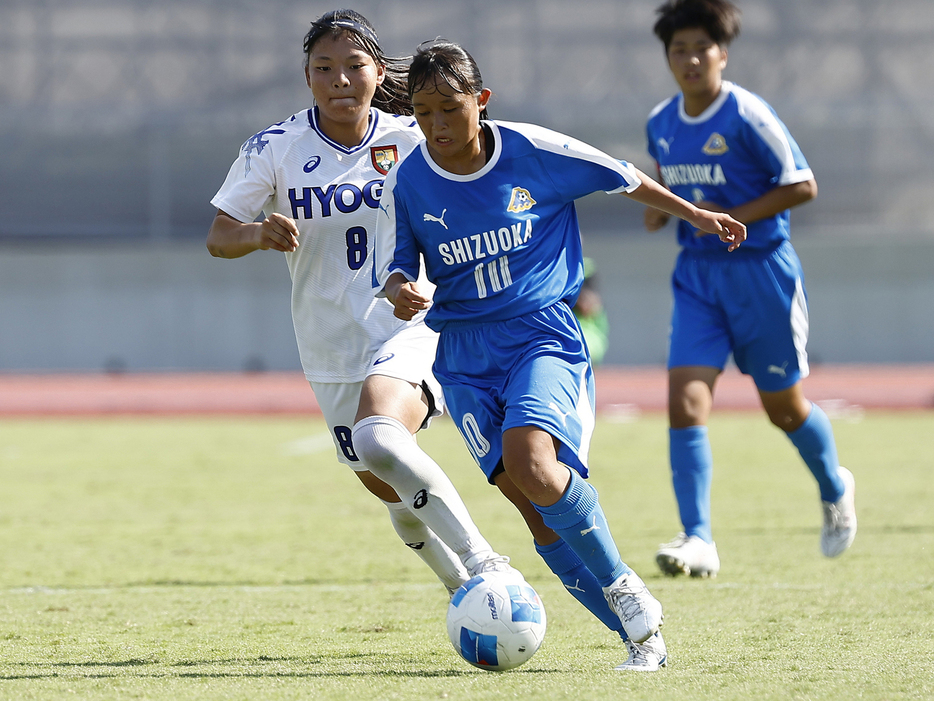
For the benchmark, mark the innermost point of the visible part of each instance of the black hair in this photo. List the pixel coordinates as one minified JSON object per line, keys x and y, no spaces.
{"x":391,"y":95}
{"x":449,"y":62}
{"x":719,"y":18}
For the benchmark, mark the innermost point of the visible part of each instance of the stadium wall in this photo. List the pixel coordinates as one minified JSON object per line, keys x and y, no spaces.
{"x":159,"y":306}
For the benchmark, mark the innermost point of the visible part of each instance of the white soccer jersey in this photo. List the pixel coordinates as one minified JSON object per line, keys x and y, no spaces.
{"x":332,"y":192}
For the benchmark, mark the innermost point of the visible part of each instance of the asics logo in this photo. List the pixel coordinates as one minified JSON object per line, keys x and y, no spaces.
{"x":575,"y":587}
{"x":312,"y":164}
{"x":776,"y":370}
{"x":439,"y":220}
{"x":416,"y":546}
{"x":383,"y":358}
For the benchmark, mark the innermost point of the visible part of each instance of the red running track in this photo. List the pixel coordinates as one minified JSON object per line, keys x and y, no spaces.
{"x":620,"y":391}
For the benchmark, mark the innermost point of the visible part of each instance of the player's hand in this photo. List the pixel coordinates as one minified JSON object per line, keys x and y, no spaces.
{"x":723,"y":225}
{"x":655,"y":219}
{"x":408,"y":300}
{"x":278,"y":233}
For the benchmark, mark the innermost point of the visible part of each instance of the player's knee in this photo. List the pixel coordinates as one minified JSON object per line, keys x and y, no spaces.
{"x":376,"y":440}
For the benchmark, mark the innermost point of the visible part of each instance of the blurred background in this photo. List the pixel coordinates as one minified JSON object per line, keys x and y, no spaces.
{"x":120,"y":118}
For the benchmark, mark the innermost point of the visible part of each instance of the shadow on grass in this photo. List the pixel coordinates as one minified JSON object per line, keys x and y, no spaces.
{"x":57,"y":670}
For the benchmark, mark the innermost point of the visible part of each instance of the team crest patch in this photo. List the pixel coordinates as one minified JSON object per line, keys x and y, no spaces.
{"x":521,"y":200}
{"x":716,"y":145}
{"x":384,"y":158}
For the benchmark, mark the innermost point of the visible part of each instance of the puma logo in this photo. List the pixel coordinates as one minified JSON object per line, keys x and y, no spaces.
{"x":439,"y":220}
{"x":776,"y":370}
{"x":594,"y":527}
{"x":564,"y":415}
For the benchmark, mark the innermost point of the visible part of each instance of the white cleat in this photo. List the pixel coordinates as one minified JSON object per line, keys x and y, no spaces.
{"x":688,"y":555}
{"x":649,"y":656}
{"x":493,"y":563}
{"x":638,"y":611}
{"x":839,"y":518}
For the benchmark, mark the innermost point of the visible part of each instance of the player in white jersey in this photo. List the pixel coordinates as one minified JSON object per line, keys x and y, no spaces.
{"x":490,"y":207}
{"x":317,"y":179}
{"x":724,"y":148}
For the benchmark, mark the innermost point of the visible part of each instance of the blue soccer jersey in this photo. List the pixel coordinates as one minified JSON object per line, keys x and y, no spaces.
{"x":501,"y":242}
{"x":734,"y":152}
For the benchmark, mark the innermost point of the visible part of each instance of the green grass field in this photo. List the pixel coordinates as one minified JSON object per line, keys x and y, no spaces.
{"x":226,"y":558}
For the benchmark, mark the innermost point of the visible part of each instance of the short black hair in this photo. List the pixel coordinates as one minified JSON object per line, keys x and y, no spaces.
{"x":719,"y":18}
{"x":445,"y":61}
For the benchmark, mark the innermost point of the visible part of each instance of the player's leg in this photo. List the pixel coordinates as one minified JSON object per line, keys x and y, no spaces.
{"x":648,"y":656}
{"x":809,"y":430}
{"x":776,"y":357}
{"x":698,"y":349}
{"x":570,"y":507}
{"x":561,"y":559}
{"x":416,"y":535}
{"x":339,"y":402}
{"x":400,"y":396}
{"x":549,"y":419}
{"x":690,"y":398}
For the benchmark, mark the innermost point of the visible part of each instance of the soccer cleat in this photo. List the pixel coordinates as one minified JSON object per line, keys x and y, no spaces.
{"x":839,"y":518}
{"x":688,"y":555}
{"x":493,"y":563}
{"x":649,"y":656}
{"x":638,"y":611}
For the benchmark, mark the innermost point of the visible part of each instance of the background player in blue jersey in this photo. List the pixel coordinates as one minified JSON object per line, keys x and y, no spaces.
{"x":490,"y":207}
{"x":724,"y":148}
{"x":316,"y":178}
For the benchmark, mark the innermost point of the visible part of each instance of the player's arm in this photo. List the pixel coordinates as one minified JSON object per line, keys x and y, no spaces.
{"x":231,"y":238}
{"x":652,"y":194}
{"x":771,"y":203}
{"x":655,"y":219}
{"x":405,"y":296}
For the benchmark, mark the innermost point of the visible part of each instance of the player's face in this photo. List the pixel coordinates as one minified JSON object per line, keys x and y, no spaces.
{"x":343,"y":79}
{"x":696,"y":62}
{"x":450,"y":122}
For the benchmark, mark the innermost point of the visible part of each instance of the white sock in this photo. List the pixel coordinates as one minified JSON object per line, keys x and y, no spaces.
{"x":427,"y":546}
{"x":391,"y":453}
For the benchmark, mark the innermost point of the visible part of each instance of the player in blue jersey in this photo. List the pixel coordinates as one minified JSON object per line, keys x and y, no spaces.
{"x":490,"y":207}
{"x":316,"y":179}
{"x":724,"y":148}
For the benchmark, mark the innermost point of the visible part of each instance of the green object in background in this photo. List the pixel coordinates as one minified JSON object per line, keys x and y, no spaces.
{"x":591,"y":315}
{"x":596,"y":330}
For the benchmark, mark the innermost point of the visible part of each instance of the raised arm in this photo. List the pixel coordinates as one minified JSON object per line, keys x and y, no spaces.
{"x":231,"y":238}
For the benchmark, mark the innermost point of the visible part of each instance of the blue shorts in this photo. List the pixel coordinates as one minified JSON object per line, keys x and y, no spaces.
{"x":530,"y":371}
{"x":750,"y":304}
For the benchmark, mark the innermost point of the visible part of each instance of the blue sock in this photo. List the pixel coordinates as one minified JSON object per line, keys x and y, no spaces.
{"x":814,"y":440}
{"x":579,"y":520}
{"x":580,"y":582}
{"x":691,"y":471}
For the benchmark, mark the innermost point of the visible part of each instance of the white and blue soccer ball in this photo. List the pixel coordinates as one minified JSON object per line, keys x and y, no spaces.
{"x":496,"y":621}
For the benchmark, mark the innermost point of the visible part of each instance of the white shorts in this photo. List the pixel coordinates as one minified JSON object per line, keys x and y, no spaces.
{"x":408,"y":355}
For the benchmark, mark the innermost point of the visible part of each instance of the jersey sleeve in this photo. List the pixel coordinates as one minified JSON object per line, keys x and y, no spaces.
{"x":578,"y":169}
{"x":772,"y":143}
{"x":396,"y":249}
{"x":250,"y":185}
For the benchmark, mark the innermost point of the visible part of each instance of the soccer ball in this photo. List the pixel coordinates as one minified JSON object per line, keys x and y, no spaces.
{"x":496,"y":621}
